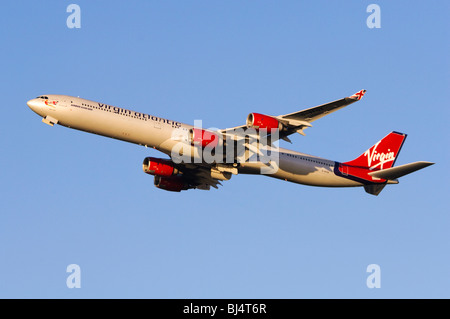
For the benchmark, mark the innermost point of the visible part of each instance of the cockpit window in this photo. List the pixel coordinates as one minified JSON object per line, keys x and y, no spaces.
{"x":42,"y":97}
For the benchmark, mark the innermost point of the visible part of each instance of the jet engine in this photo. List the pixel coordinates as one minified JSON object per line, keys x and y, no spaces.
{"x":203,"y":138}
{"x":261,"y":121}
{"x":159,"y":166}
{"x":172,"y":183}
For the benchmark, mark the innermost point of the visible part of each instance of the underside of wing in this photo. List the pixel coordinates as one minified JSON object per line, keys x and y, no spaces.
{"x":176,"y":176}
{"x":199,"y":177}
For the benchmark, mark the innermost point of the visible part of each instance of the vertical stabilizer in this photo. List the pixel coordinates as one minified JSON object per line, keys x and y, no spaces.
{"x":382,"y":155}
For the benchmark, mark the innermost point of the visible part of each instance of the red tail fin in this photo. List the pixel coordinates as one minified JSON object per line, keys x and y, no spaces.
{"x":382,"y":155}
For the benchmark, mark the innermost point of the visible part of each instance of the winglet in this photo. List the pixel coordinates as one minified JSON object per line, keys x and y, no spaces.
{"x":358,"y":95}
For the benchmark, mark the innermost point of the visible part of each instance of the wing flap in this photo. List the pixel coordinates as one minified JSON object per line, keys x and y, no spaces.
{"x":198,"y":176}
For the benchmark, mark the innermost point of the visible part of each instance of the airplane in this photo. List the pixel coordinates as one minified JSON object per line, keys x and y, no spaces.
{"x":197,"y":157}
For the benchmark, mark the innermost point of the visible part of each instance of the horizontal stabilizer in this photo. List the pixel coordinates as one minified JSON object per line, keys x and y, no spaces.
{"x":399,"y":171}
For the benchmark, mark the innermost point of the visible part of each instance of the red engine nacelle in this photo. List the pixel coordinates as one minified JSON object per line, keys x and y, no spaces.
{"x":159,"y":166}
{"x":203,"y":138}
{"x":172,"y":183}
{"x":261,"y":121}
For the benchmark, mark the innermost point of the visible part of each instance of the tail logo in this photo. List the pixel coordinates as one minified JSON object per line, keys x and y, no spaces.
{"x":379,"y":158}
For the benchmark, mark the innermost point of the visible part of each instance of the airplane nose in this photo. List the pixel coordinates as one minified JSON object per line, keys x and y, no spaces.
{"x":33,"y":104}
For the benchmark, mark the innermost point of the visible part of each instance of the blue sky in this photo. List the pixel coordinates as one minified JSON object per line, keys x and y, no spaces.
{"x":68,"y":197}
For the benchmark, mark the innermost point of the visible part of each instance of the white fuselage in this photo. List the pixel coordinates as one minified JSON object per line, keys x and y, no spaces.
{"x":156,"y":132}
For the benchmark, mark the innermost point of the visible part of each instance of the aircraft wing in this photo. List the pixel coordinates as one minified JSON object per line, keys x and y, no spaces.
{"x":286,"y":125}
{"x":198,"y":176}
{"x":296,"y":122}
{"x":317,"y":112}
